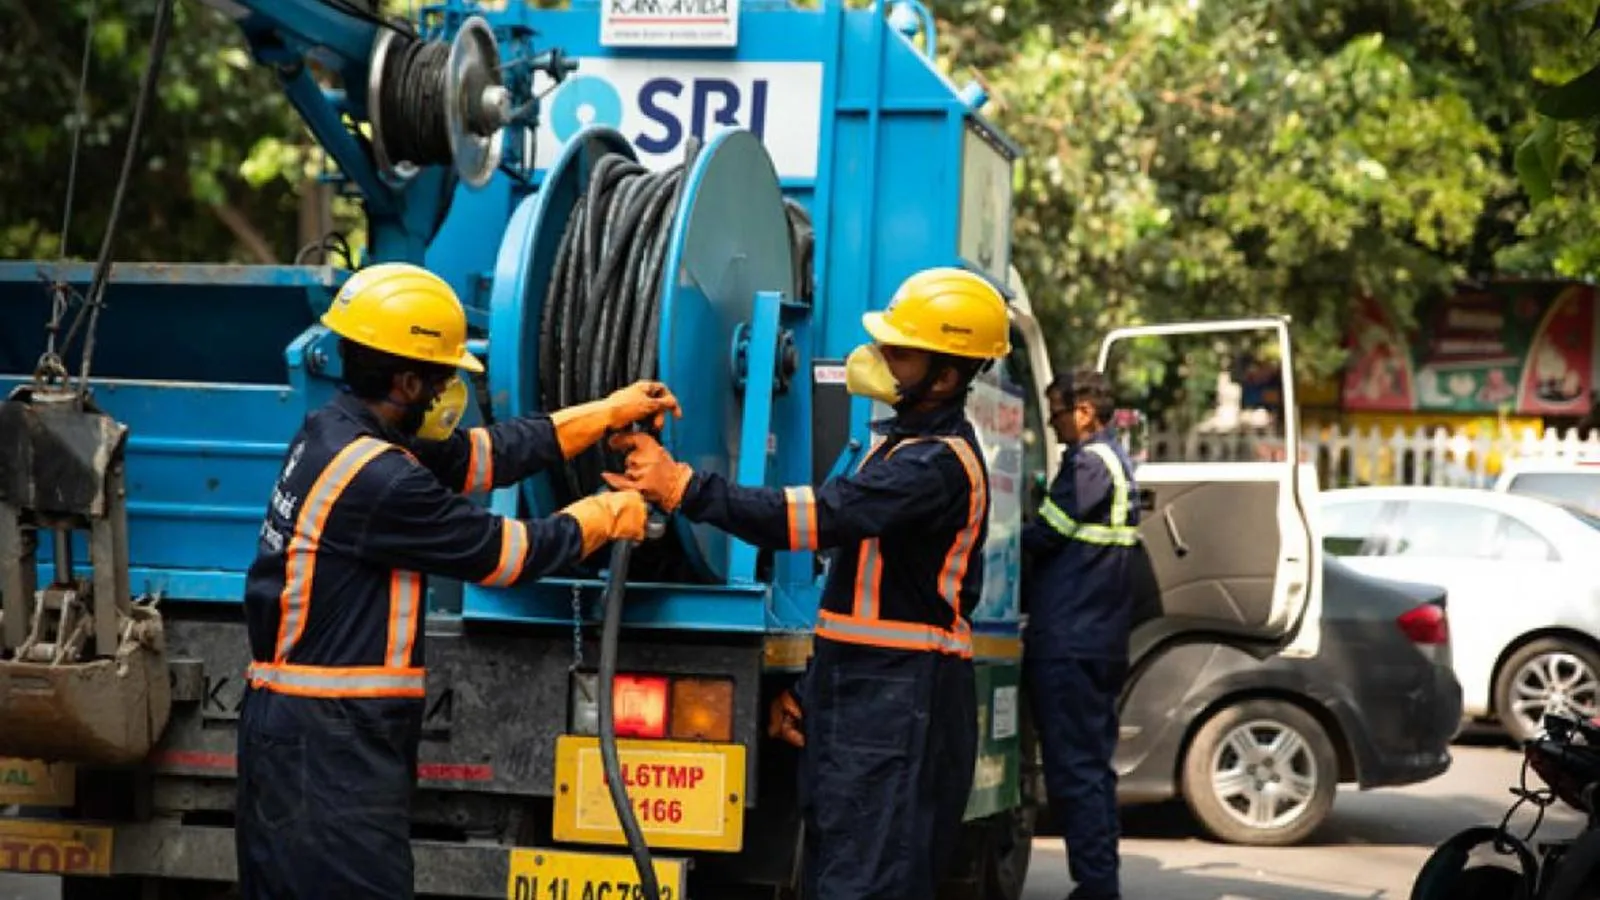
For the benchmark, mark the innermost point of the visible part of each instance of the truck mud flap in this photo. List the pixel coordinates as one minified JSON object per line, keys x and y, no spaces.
{"x":157,"y":850}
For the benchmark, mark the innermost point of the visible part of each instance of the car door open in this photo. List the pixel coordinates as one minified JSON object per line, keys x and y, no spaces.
{"x":1224,"y":525}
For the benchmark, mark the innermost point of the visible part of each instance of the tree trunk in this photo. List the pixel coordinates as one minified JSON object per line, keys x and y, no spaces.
{"x":245,"y":233}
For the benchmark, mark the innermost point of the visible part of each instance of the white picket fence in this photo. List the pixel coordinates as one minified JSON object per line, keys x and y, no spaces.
{"x":1347,"y":457}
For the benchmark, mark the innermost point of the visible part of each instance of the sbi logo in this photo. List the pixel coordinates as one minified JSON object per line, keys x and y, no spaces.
{"x":584,"y":100}
{"x":662,"y":110}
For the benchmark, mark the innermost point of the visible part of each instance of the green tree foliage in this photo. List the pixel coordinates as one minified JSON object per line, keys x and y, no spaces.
{"x":219,"y":173}
{"x":1184,"y":158}
{"x":1202,"y":159}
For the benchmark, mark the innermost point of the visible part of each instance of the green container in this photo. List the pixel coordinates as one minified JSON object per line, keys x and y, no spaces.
{"x":995,"y":779}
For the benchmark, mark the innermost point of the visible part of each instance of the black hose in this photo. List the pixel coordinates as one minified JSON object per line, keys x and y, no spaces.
{"x":95,"y":298}
{"x":601,"y":320}
{"x":610,"y":632}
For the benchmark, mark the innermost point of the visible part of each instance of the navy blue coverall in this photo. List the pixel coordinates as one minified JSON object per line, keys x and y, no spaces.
{"x":1079,"y":609}
{"x":889,"y":705}
{"x":334,"y":602}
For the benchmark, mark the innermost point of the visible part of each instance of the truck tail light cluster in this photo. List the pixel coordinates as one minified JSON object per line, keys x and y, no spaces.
{"x":683,"y":708}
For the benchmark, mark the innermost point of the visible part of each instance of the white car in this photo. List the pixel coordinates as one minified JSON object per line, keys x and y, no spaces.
{"x":1523,"y":580}
{"x":1570,"y":482}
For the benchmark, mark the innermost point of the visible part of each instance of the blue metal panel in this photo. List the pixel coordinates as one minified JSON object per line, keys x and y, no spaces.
{"x":760,"y":357}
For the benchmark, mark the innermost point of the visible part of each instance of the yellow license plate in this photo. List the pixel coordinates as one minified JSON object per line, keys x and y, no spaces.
{"x":54,"y":848}
{"x":686,"y":796}
{"x":27,"y":782}
{"x":551,"y":875}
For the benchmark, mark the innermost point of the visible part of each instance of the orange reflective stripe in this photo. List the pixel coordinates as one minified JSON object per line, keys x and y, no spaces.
{"x":802,"y":502}
{"x":301,"y":563}
{"x":480,"y":462}
{"x":332,"y":681}
{"x":892,"y":635}
{"x":954,"y":571}
{"x":869,"y":562}
{"x":514,"y":548}
{"x":405,"y":601}
{"x":869,"y":579}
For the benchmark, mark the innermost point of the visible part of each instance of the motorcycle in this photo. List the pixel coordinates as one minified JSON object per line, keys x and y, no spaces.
{"x":1567,"y":758}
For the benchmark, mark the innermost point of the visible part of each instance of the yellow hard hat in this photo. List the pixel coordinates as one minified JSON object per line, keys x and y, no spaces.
{"x":945,"y":310}
{"x":404,"y":310}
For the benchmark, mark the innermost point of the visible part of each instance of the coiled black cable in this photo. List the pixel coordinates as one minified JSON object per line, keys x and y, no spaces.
{"x":601,"y":321}
{"x":413,"y":101}
{"x":600,"y":327}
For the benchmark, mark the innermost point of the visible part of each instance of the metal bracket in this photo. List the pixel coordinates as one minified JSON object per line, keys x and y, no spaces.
{"x":760,"y":355}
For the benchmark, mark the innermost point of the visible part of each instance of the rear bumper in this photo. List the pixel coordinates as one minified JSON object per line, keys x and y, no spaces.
{"x":1398,"y":770}
{"x":1409,"y":731}
{"x":156,"y":850}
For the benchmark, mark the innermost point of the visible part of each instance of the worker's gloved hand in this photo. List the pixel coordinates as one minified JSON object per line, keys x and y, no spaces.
{"x":651,"y":471}
{"x":609,"y":516}
{"x":785,"y":720}
{"x":640,"y":401}
{"x":579,"y":427}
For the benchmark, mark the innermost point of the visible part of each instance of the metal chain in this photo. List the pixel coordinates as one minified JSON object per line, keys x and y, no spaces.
{"x":577,"y":629}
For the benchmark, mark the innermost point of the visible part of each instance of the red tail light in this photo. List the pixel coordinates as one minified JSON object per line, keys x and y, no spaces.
{"x":1425,"y":624}
{"x":641,"y":706}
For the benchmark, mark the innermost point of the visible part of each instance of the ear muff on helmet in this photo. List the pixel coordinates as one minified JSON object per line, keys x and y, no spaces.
{"x":1445,"y":876}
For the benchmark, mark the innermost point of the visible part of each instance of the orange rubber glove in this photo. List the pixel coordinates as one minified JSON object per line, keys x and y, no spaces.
{"x":579,"y":427}
{"x":786,"y":721}
{"x":651,"y":471}
{"x":609,"y":516}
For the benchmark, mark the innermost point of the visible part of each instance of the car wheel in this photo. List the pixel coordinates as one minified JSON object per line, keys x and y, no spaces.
{"x":1260,"y":772}
{"x":1549,"y":676}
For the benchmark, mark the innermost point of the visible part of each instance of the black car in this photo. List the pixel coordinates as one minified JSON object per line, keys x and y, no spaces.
{"x":1256,"y":745}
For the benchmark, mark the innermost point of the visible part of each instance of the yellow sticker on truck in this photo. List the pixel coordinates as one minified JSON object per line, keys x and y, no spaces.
{"x":54,"y":848}
{"x":686,"y":796}
{"x":28,"y":782}
{"x":552,"y":875}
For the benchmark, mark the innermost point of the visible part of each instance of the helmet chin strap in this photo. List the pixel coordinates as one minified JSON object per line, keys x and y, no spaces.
{"x":914,"y":395}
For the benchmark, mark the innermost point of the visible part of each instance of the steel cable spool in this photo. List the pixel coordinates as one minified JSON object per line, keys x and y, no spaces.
{"x":613,"y":272}
{"x":438,"y":103}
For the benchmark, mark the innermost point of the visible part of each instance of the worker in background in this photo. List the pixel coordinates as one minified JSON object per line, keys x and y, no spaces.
{"x":372,"y":499}
{"x":885,"y":714}
{"x":1079,"y":609}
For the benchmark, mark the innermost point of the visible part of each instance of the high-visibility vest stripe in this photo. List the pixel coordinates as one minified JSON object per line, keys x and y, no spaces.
{"x":480,"y":462}
{"x":405,"y":601}
{"x":894,"y":635}
{"x":956,"y":561}
{"x":331,"y":682}
{"x":514,"y":547}
{"x":802,"y":507}
{"x":1118,"y":533}
{"x":301,"y":559}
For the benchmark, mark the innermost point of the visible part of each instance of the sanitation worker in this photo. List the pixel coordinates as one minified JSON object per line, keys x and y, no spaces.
{"x":372,"y":499}
{"x":886,"y":714}
{"x":1079,"y":609}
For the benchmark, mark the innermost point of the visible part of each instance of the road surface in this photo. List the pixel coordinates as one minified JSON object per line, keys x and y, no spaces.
{"x":1371,"y":846}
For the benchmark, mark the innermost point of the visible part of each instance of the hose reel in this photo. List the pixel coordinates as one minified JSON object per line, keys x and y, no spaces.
{"x":438,"y":103}
{"x":613,"y":272}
